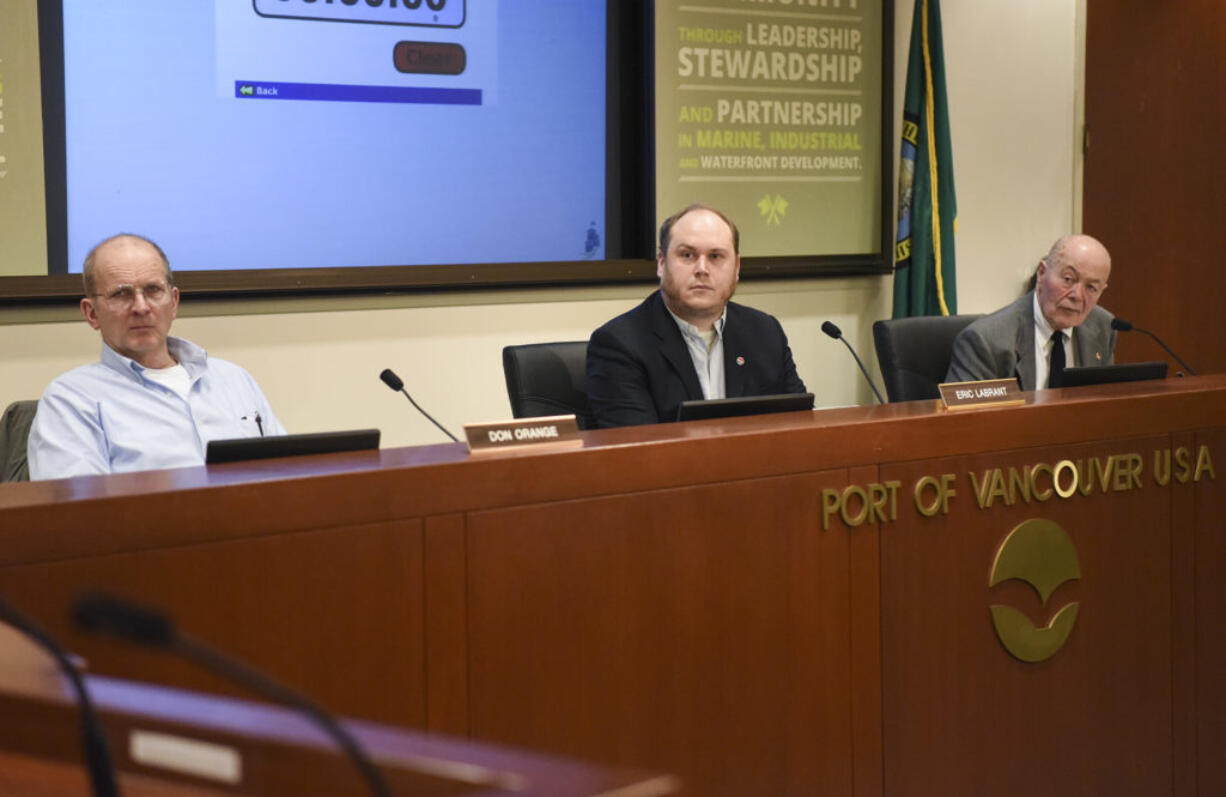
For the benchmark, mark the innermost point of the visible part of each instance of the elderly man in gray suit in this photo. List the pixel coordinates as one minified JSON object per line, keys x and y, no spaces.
{"x":1058,"y":324}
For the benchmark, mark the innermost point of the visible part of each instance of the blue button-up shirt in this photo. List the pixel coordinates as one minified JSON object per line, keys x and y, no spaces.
{"x":708,"y":359}
{"x":109,"y":417}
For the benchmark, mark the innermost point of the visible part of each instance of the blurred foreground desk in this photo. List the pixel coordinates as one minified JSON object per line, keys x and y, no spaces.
{"x":167,"y":742}
{"x":797,"y":604}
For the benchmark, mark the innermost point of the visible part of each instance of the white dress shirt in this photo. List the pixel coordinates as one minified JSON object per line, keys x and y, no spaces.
{"x":1043,"y":343}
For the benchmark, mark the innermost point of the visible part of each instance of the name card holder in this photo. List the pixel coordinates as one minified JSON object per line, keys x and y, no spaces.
{"x":985,"y":393}
{"x":552,"y":431}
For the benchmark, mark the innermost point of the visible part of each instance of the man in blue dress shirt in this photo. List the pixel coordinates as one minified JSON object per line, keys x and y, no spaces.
{"x":152,"y":401}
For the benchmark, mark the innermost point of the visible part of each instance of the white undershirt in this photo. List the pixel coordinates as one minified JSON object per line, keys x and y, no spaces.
{"x":174,"y":378}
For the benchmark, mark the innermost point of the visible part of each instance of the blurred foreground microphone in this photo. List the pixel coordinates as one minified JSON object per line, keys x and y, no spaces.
{"x":104,"y":614}
{"x":1121,"y":325}
{"x":394,"y":382}
{"x":93,"y":741}
{"x":833,"y":331}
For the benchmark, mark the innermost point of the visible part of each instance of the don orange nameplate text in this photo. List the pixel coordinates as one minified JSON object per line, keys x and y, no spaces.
{"x":557,"y":430}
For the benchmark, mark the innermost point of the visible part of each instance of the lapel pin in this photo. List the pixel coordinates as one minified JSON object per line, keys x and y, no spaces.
{"x":740,"y":360}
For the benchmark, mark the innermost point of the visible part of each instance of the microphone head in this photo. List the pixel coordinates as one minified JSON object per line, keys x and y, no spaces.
{"x":391,"y":380}
{"x":1121,"y":325}
{"x":104,"y":614}
{"x":830,"y":329}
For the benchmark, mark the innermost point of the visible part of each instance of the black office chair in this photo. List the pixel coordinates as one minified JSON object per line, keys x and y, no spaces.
{"x":14,"y":432}
{"x":547,"y":379}
{"x":914,"y":353}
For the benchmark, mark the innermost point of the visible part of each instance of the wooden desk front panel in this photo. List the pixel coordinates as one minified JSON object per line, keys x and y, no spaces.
{"x":337,"y":613}
{"x":667,"y":597}
{"x":962,"y":715}
{"x":703,"y":629}
{"x":1209,"y":563}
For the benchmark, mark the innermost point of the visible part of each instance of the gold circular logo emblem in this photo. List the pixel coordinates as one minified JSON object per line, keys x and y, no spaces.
{"x":1041,"y":554}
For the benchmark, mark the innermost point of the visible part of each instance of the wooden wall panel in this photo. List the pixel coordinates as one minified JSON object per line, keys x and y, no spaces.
{"x":1155,"y":170}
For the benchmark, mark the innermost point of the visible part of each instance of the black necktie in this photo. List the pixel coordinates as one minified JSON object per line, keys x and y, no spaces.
{"x":1055,"y":371}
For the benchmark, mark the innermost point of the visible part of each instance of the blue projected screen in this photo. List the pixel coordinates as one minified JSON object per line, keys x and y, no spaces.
{"x":265,"y":134}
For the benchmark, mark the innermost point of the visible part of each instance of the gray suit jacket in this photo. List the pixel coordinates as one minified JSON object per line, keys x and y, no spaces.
{"x":1001,"y":345}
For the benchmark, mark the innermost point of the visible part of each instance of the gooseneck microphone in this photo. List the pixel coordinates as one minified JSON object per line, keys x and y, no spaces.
{"x":93,"y":740}
{"x":1121,"y":325}
{"x":104,"y":614}
{"x":833,"y":331}
{"x":396,"y":383}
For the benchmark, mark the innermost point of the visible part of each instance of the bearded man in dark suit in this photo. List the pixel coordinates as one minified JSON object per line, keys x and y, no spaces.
{"x":687,"y":340}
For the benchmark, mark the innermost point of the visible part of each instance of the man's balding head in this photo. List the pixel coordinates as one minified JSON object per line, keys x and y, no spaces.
{"x":1071,"y":279}
{"x":130,"y":298}
{"x":89,"y":272}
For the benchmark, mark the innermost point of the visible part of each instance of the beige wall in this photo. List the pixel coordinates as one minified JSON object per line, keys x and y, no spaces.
{"x":1012,"y":79}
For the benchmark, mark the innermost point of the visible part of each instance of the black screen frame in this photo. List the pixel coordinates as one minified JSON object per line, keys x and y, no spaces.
{"x":1115,"y":373}
{"x":741,"y":406}
{"x":629,"y":216}
{"x":244,"y":449}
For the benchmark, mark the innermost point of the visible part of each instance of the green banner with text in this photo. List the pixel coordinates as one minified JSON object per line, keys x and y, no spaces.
{"x":772,"y":113}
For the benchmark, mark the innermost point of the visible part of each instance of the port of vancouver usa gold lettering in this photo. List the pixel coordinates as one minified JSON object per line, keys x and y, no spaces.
{"x":1034,"y":483}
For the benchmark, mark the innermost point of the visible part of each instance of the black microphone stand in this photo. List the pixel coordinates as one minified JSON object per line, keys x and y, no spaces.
{"x":93,"y":739}
{"x":395,"y":383}
{"x":833,"y":331}
{"x":1127,"y":326}
{"x":107,"y":615}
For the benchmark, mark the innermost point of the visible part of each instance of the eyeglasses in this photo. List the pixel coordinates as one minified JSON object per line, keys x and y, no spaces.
{"x":124,"y":296}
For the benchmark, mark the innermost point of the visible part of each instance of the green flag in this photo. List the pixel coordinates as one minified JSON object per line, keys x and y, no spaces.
{"x":927,"y":209}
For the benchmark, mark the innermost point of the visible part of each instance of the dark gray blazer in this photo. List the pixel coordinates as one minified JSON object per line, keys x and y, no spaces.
{"x":1001,"y":345}
{"x":639,"y":369}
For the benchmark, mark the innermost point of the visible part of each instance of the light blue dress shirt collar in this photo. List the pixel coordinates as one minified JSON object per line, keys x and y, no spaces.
{"x":188,"y":354}
{"x":708,"y":360}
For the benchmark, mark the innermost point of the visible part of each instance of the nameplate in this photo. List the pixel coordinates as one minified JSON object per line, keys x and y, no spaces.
{"x":985,"y":393}
{"x":553,"y":430}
